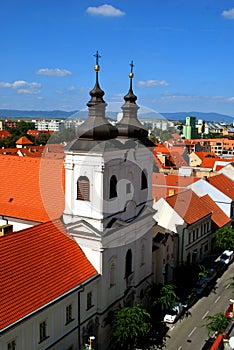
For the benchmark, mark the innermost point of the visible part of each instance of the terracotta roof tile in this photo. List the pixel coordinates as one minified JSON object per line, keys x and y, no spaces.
{"x":4,"y":133}
{"x":31,"y":188}
{"x":223,"y":183}
{"x":218,"y":216}
{"x":164,"y":185}
{"x":38,"y":265}
{"x":208,"y":162}
{"x":189,"y":206}
{"x":209,"y":155}
{"x":24,"y":141}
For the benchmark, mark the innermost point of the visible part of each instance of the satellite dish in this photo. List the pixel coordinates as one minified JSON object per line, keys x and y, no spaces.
{"x":231,"y":342}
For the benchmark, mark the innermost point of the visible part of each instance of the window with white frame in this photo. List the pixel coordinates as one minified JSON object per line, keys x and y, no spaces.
{"x":43,"y":331}
{"x":113,"y":187}
{"x":83,"y":188}
{"x":69,"y":317}
{"x":89,"y":300}
{"x":11,"y":345}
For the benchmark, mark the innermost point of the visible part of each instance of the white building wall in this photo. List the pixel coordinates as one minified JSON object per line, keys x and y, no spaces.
{"x":26,"y":334}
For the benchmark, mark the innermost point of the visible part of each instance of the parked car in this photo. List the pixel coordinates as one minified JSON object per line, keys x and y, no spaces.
{"x":230,"y":311}
{"x":226,"y":257}
{"x":191,"y":299}
{"x":174,"y":313}
{"x":211,"y":274}
{"x":200,"y":286}
{"x":158,"y":333}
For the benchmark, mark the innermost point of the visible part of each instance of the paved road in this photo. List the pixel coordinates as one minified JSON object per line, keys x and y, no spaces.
{"x":189,"y":333}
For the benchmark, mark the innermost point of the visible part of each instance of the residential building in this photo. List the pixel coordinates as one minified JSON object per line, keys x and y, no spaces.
{"x":190,"y":129}
{"x":226,"y":186}
{"x":203,"y":187}
{"x":187,"y":220}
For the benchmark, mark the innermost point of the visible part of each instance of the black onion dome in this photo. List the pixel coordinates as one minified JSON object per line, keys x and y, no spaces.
{"x":129,"y":126}
{"x":97,"y":127}
{"x":130,"y":97}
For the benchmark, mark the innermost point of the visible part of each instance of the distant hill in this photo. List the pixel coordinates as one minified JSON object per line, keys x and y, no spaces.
{"x":208,"y":117}
{"x":57,"y":114}
{"x":20,"y":114}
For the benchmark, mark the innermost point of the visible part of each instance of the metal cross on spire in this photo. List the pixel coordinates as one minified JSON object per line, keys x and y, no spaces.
{"x":97,"y":58}
{"x":132,"y":66}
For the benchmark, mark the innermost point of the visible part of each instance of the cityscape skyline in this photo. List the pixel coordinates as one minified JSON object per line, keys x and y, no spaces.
{"x":182,"y":53}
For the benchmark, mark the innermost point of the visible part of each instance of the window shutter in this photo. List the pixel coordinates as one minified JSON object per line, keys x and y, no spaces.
{"x":83,"y":189}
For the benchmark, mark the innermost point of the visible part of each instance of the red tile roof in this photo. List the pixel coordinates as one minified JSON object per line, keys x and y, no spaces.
{"x":173,"y":154}
{"x":189,"y":206}
{"x":218,"y":216}
{"x":209,"y":155}
{"x":208,"y":162}
{"x":164,"y":185}
{"x":223,"y":183}
{"x":4,"y":133}
{"x":38,"y":265}
{"x":31,"y":188}
{"x":24,"y":141}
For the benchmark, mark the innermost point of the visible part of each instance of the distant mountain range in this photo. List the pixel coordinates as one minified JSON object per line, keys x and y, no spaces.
{"x":57,"y":114}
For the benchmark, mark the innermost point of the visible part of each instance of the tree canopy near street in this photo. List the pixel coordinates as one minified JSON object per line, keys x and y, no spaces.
{"x":130,"y":325}
{"x":168,"y":296}
{"x":224,"y":238}
{"x":216,"y":323}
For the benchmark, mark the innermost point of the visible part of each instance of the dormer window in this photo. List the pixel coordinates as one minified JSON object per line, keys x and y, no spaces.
{"x":144,"y":181}
{"x":113,"y":187}
{"x":83,"y":188}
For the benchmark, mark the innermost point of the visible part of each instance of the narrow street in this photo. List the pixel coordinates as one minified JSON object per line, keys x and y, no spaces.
{"x":190,"y":332}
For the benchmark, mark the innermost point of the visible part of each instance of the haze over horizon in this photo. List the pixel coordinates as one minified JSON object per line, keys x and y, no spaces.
{"x":182,"y":53}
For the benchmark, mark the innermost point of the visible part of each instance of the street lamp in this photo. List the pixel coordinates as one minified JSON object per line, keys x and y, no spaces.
{"x":91,"y":339}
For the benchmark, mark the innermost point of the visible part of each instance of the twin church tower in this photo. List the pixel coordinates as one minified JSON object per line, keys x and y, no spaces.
{"x":108,"y":202}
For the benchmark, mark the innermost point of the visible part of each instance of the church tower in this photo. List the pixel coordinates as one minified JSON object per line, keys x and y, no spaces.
{"x":108,"y":208}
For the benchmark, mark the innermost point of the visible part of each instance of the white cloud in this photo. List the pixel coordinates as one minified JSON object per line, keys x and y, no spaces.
{"x":72,"y":88}
{"x":22,"y":87}
{"x":53,"y":72}
{"x":229,"y":14}
{"x":230,"y":99}
{"x":150,"y":83}
{"x":28,"y":91}
{"x":105,"y":10}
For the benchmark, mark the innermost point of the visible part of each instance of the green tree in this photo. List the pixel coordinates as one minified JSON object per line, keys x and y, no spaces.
{"x":216,"y":323}
{"x":202,"y":272}
{"x":224,"y":238}
{"x":22,"y":128}
{"x":130,"y":325}
{"x":168,"y":296}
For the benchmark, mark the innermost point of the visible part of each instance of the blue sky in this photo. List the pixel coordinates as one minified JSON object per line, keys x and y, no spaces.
{"x":183,"y":53}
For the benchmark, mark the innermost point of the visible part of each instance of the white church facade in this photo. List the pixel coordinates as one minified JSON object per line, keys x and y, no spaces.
{"x":97,"y":257}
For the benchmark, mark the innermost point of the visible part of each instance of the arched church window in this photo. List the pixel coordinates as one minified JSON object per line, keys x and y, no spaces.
{"x":113,"y":187}
{"x":144,"y":181}
{"x":128,"y":263}
{"x":112,"y":274}
{"x":83,"y":188}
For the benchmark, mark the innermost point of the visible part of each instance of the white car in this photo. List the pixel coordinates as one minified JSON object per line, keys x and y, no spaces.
{"x":226,"y":257}
{"x":174,"y":313}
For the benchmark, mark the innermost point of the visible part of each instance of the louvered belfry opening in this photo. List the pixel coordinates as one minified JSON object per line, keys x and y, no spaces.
{"x":83,"y":188}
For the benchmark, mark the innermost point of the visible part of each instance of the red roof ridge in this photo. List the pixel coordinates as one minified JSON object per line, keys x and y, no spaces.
{"x":34,"y":269}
